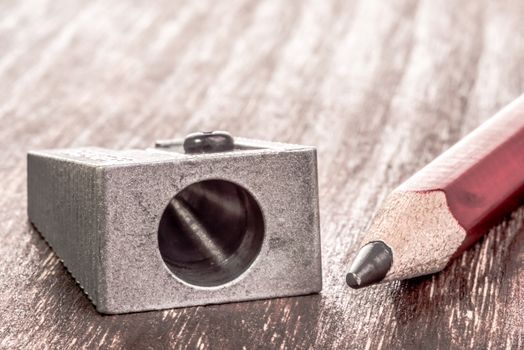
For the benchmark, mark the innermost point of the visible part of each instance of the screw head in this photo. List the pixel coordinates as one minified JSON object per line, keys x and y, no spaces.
{"x":208,"y":142}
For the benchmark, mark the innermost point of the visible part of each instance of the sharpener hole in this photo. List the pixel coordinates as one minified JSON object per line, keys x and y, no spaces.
{"x":211,"y":232}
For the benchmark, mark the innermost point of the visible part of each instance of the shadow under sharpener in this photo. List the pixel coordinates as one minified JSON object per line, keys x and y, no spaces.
{"x":158,"y":228}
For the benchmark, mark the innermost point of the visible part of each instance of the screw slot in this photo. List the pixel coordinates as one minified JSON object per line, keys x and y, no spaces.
{"x":211,"y":232}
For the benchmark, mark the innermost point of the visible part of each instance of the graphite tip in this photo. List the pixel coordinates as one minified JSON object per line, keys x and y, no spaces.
{"x":371,"y":265}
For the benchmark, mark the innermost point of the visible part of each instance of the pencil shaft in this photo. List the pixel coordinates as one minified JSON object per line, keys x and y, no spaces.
{"x":482,"y":175}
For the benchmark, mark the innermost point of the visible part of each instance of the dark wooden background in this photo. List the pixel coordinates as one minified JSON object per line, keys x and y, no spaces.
{"x":381,"y":87}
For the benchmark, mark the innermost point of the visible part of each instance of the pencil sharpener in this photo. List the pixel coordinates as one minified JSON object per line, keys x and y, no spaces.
{"x":178,"y":225}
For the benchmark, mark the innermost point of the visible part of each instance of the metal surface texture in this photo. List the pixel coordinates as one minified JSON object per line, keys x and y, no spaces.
{"x":160,"y":228}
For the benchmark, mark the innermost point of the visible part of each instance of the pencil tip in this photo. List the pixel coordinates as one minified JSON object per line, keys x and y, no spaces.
{"x":371,"y":265}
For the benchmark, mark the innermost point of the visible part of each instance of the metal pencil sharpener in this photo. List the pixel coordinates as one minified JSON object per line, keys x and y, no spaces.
{"x":190,"y":222}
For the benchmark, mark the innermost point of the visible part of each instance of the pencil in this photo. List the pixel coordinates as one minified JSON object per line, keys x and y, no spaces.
{"x":447,"y":205}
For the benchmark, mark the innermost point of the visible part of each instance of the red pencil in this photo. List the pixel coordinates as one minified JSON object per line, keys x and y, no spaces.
{"x":445,"y":207}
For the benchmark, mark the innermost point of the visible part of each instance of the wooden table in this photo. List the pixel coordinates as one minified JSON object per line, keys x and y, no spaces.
{"x":380,"y":87}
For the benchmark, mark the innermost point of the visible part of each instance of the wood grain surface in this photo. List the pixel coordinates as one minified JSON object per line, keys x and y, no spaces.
{"x":381,"y":87}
